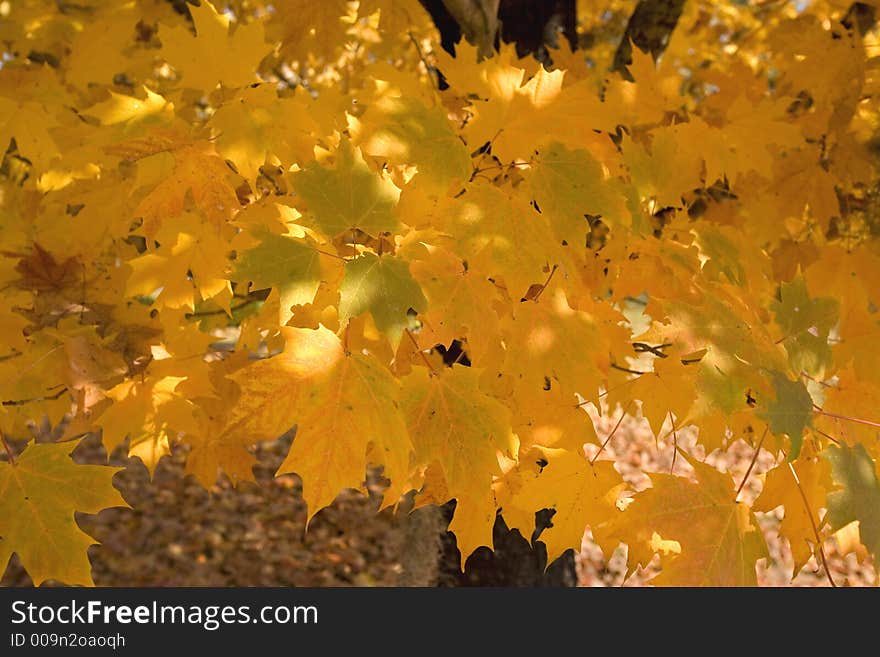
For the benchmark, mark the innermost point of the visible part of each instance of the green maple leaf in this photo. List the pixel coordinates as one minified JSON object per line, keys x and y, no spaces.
{"x":790,"y":412}
{"x":347,"y":195}
{"x":859,"y":495}
{"x":288,"y":265}
{"x":384,"y":287}
{"x":805,"y":323}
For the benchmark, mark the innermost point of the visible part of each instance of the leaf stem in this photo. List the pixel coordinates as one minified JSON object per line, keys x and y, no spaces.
{"x":7,"y":448}
{"x":752,"y":464}
{"x":419,"y":350}
{"x":819,"y":547}
{"x":817,"y":409}
{"x":613,"y":431}
{"x":546,"y":283}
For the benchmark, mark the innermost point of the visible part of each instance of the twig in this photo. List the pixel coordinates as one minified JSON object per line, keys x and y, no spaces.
{"x":657,"y":350}
{"x":22,"y":402}
{"x":628,"y":370}
{"x":435,"y":78}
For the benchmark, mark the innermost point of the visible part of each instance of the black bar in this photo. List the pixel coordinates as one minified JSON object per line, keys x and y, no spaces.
{"x":397,"y":621}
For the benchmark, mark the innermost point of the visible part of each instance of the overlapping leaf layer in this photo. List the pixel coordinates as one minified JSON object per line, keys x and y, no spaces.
{"x":220,"y":224}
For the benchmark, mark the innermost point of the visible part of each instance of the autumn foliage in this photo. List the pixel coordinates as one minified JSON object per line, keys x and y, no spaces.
{"x":224,"y":221}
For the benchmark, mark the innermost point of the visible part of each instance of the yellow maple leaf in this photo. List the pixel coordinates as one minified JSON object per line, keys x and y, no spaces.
{"x":197,"y":172}
{"x":217,"y":53}
{"x":520,"y":115}
{"x":551,"y":418}
{"x":581,"y":493}
{"x":257,"y":124}
{"x":191,"y":259}
{"x":788,"y":485}
{"x":405,"y":131}
{"x":550,"y":344}
{"x":39,"y":493}
{"x":457,"y":297}
{"x":452,"y":422}
{"x":345,"y":403}
{"x":501,"y":237}
{"x":706,"y":538}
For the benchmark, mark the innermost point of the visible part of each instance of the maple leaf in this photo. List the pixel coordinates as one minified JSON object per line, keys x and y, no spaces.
{"x":706,"y":537}
{"x":581,"y":493}
{"x":42,"y":273}
{"x":384,"y":287}
{"x":290,"y":265}
{"x":545,"y":342}
{"x":257,"y":124}
{"x":502,"y":237}
{"x":217,"y":53}
{"x":456,"y":299}
{"x":805,"y":325}
{"x":472,"y":524}
{"x":29,"y":124}
{"x":647,"y":96}
{"x":670,"y":388}
{"x":92,"y":363}
{"x":129,"y":110}
{"x":33,"y":383}
{"x":191,"y":258}
{"x":39,"y":493}
{"x":570,"y":184}
{"x":752,"y":127}
{"x":667,"y":170}
{"x":96,"y":53}
{"x":348,"y":195}
{"x":148,"y":412}
{"x":344,"y":402}
{"x":405,"y":131}
{"x":452,"y":422}
{"x":551,"y":418}
{"x":519,"y":116}
{"x":858,"y":496}
{"x":809,"y":477}
{"x":305,"y":29}
{"x":791,"y":411}
{"x":197,"y":171}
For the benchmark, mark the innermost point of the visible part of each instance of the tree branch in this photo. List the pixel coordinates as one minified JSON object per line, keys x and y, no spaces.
{"x":649,"y":28}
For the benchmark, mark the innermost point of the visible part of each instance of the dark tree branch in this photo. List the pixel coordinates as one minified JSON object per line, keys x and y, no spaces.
{"x":450,"y":32}
{"x":861,"y":17}
{"x":534,"y":25}
{"x":649,"y":28}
